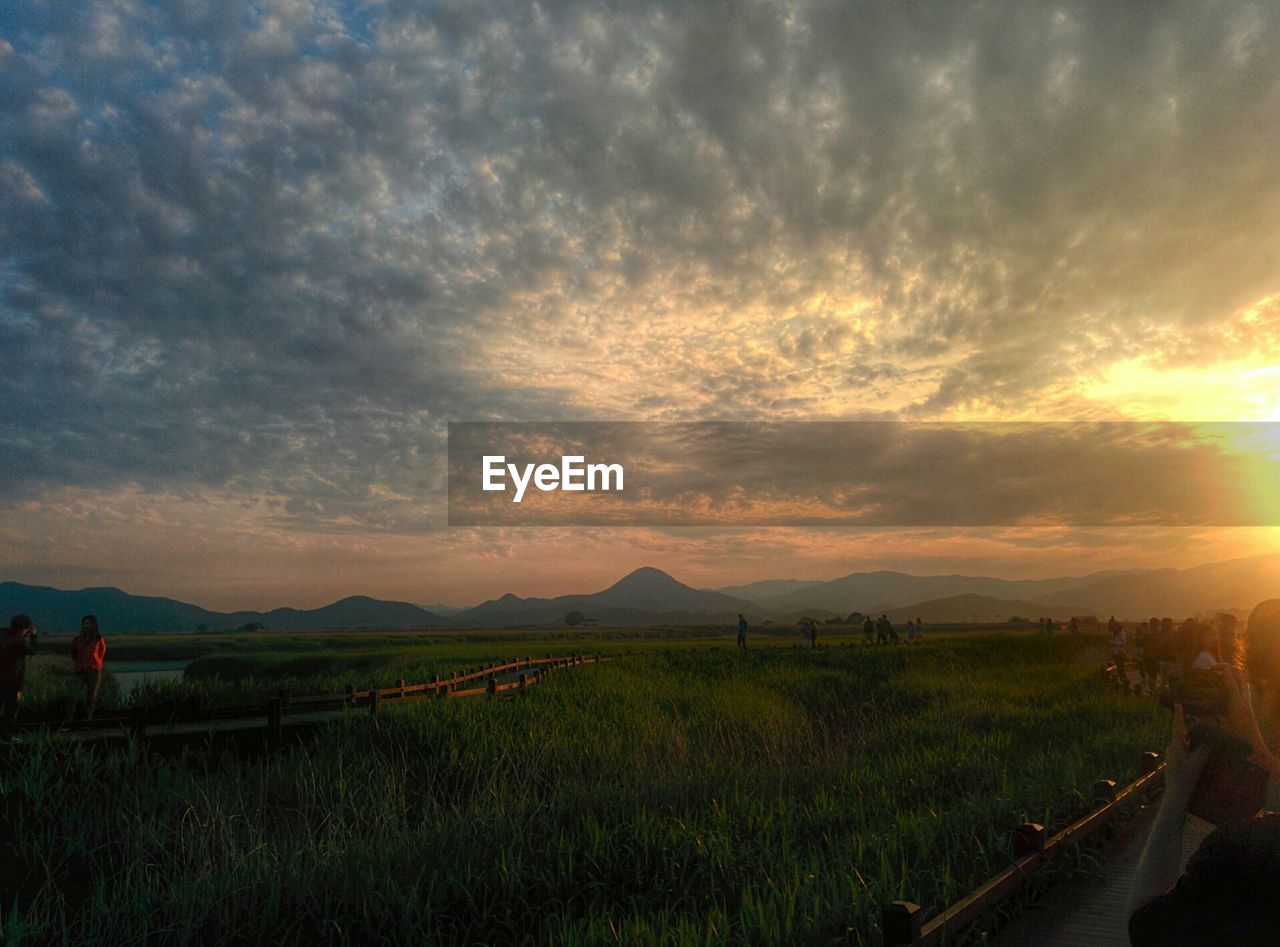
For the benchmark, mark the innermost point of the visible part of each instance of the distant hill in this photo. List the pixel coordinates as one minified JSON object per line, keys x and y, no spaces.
{"x":444,"y":611}
{"x":979,"y":609}
{"x":1236,"y":585}
{"x":768,"y":588}
{"x":356,"y":611}
{"x":649,"y":596}
{"x":881,"y":591}
{"x":59,"y":611}
{"x":646,"y":596}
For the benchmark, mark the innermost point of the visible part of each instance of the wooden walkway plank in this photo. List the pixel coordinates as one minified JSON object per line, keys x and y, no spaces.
{"x":507,"y":685}
{"x":1092,"y":910}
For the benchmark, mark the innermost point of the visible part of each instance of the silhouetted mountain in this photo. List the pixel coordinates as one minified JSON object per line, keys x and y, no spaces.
{"x":1238,"y":584}
{"x":646,"y":596}
{"x":767,"y":588}
{"x":881,"y":591}
{"x":444,"y":611}
{"x":650,"y":596}
{"x":58,"y":611}
{"x":970,"y":608}
{"x":356,"y":611}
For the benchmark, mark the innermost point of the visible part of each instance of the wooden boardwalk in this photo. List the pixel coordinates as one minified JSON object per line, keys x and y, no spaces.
{"x":1092,"y":910}
{"x":507,"y":686}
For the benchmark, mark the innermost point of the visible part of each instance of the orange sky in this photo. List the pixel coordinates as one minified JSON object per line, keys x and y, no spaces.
{"x":252,"y":270}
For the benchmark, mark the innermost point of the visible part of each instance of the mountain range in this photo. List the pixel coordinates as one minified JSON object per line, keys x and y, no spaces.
{"x":649,"y":596}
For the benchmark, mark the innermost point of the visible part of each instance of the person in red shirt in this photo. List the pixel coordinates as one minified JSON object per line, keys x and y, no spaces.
{"x":87,"y":651}
{"x":19,"y":642}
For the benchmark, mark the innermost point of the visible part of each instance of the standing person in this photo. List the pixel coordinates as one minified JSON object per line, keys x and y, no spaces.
{"x":1119,"y":643}
{"x":1151,"y":653}
{"x":811,"y":629}
{"x":1074,"y":627}
{"x":19,"y":643}
{"x":1207,"y":652}
{"x":919,"y":630}
{"x":742,"y":633}
{"x":911,"y":631}
{"x":88,"y":648}
{"x":868,"y":630}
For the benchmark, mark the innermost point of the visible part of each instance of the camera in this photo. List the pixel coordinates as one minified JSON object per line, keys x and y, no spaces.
{"x":1201,"y":693}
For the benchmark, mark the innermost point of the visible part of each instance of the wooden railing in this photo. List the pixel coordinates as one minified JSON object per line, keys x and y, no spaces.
{"x":470,"y":683}
{"x":903,"y":923}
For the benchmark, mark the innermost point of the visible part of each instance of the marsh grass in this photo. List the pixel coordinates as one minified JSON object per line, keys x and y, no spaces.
{"x":679,"y":796}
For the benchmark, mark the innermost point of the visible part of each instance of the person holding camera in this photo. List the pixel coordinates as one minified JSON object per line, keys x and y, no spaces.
{"x":19,"y":644}
{"x":1220,"y":767}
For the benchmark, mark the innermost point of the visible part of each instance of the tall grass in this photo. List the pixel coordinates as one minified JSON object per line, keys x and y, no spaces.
{"x":687,"y":797}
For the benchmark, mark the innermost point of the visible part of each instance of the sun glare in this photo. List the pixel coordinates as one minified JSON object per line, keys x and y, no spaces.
{"x":1245,"y":390}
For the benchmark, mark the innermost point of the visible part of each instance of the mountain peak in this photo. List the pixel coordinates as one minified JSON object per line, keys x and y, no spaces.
{"x":647,"y":579}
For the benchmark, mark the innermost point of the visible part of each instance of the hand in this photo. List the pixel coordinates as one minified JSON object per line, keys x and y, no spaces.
{"x":1182,"y":768}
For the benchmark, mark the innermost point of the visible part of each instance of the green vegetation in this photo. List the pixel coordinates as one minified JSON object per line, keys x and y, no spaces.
{"x":676,"y":796}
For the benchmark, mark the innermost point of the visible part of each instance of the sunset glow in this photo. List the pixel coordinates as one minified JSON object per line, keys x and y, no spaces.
{"x":254,"y":264}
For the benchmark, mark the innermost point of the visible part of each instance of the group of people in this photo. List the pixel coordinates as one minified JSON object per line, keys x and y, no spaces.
{"x":882,"y":631}
{"x":1158,"y":646}
{"x":88,"y":650}
{"x":879,"y":631}
{"x":1048,"y":626}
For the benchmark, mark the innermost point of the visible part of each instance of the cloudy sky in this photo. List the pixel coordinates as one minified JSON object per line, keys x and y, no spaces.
{"x":254,"y":257}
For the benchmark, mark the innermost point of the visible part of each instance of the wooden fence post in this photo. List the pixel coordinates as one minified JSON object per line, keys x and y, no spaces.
{"x":1104,"y":790}
{"x":491,"y":689}
{"x":351,"y":694}
{"x":1148,"y":763}
{"x":900,"y":923}
{"x":400,"y":685}
{"x":1028,"y":839}
{"x":374,"y":700}
{"x":524,"y":681}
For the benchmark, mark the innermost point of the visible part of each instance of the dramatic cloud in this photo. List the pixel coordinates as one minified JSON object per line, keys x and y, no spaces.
{"x":264,"y":252}
{"x":885,"y":474}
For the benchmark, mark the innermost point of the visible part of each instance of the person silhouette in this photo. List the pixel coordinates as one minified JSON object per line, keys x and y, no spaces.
{"x":1226,"y":894}
{"x":19,"y":643}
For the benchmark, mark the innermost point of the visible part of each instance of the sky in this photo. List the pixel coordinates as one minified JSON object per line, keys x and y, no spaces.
{"x":255,"y":257}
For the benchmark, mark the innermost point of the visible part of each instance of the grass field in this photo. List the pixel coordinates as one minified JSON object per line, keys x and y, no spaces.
{"x":230,"y":668}
{"x":675,"y":796}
